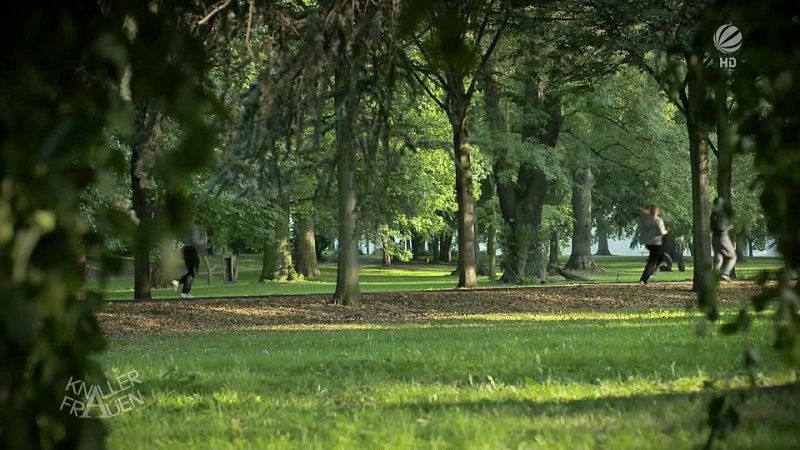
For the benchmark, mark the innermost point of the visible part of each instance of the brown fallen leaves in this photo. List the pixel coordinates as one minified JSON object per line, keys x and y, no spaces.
{"x":201,"y":316}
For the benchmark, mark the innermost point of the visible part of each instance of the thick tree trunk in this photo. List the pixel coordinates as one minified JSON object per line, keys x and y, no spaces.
{"x":602,"y":238}
{"x":742,"y":244}
{"x":446,"y":248}
{"x":467,"y":274}
{"x":348,"y":291}
{"x":306,"y":246}
{"x":581,"y":256}
{"x":278,"y":265}
{"x":555,"y":249}
{"x":698,"y":154}
{"x":141,"y":207}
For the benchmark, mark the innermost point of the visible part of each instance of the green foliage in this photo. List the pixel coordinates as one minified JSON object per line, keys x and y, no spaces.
{"x":638,"y":152}
{"x":64,"y":86}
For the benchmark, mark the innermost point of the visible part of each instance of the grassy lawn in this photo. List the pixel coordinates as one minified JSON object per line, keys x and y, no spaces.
{"x":630,"y":379}
{"x":402,"y":277}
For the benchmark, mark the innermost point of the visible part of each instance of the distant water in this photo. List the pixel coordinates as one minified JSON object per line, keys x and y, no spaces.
{"x":617,"y":247}
{"x":622,"y":248}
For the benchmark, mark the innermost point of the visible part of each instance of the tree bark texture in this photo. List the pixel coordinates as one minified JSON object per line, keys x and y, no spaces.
{"x":446,"y":248}
{"x":581,"y":255}
{"x":146,"y":133}
{"x":698,"y":154}
{"x":465,"y":195}
{"x":602,"y":238}
{"x":347,"y":291}
{"x":277,"y":262}
{"x":522,"y":202}
{"x":555,"y":249}
{"x":307,"y":263}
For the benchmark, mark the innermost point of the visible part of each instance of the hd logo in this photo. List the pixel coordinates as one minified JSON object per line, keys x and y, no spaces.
{"x":728,"y":40}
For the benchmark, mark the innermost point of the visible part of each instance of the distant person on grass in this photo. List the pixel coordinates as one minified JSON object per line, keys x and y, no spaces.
{"x":724,"y":253}
{"x":651,"y":232}
{"x":193,"y":245}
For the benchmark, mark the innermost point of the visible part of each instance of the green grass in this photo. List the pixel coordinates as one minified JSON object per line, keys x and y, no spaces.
{"x":617,"y":380}
{"x":404,"y":277}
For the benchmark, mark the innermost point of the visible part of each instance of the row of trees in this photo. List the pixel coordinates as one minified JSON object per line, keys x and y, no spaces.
{"x":543,"y":130}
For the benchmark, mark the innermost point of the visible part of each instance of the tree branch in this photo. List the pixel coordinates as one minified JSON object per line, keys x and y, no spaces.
{"x":485,"y":58}
{"x":213,"y":12}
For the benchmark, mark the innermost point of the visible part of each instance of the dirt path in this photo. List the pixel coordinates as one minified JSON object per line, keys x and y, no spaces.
{"x":198,"y":316}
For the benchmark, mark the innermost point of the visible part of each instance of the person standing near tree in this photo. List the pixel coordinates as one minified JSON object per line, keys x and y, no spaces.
{"x":193,"y":245}
{"x":724,"y":253}
{"x":652,"y":230}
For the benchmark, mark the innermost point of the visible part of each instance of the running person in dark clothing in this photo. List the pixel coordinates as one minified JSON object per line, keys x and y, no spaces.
{"x":724,"y":253}
{"x":651,"y":232}
{"x":193,"y":244}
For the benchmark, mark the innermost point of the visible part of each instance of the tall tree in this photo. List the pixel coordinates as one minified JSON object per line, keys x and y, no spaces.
{"x":346,"y":106}
{"x":458,"y":38}
{"x":673,"y":55}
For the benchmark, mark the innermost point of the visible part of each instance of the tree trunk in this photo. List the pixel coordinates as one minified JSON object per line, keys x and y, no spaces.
{"x":306,"y":246}
{"x":674,"y":248}
{"x":141,"y":207}
{"x":698,"y":153}
{"x":742,"y":244}
{"x":479,"y":269}
{"x":209,"y":269}
{"x":555,"y":249}
{"x":467,"y":274}
{"x":602,"y":238}
{"x":386,"y":248}
{"x":446,"y":248}
{"x":277,"y":260}
{"x":581,"y":256}
{"x":491,"y":244}
{"x":417,"y":245}
{"x":435,"y":249}
{"x":724,"y":147}
{"x":347,"y":291}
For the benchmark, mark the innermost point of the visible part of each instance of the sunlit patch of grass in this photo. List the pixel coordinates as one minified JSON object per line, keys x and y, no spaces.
{"x":586,"y":379}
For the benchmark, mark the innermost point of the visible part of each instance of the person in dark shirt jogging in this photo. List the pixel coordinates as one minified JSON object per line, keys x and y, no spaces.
{"x":193,"y":245}
{"x":724,"y":253}
{"x":651,"y":232}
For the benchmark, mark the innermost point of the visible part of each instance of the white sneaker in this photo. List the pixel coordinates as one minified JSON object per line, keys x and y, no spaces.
{"x":186,"y":295}
{"x":175,"y":285}
{"x":725,"y":278}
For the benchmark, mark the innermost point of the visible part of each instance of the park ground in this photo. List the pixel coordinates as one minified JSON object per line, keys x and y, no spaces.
{"x":396,"y":278}
{"x":593,"y":366}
